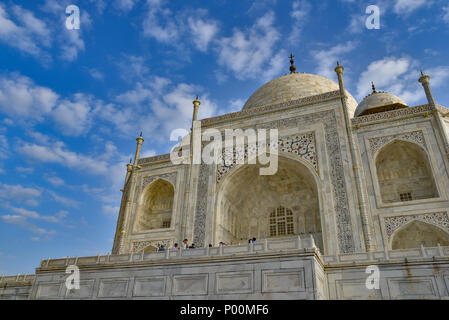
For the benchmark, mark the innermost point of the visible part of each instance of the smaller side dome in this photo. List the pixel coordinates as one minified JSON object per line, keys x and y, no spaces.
{"x":379,"y":101}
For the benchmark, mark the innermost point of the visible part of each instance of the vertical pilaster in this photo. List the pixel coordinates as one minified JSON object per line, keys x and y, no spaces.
{"x":370,"y":245}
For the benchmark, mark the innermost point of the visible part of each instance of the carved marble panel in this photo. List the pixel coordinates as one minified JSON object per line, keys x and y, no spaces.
{"x":377,"y":143}
{"x":171,"y":177}
{"x":302,"y":145}
{"x":149,"y":287}
{"x":140,"y":245}
{"x":287,"y":280}
{"x":113,"y":288}
{"x":440,"y":219}
{"x":190,"y":284}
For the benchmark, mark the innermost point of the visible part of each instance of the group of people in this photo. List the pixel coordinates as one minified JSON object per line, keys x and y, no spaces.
{"x":185,"y":245}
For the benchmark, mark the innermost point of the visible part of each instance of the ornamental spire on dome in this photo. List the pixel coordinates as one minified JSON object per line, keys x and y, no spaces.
{"x":374,"y":87}
{"x":292,"y":64}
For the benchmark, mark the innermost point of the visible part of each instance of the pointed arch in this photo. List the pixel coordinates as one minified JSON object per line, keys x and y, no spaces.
{"x":246,"y":200}
{"x":416,"y":233}
{"x":404,"y":172}
{"x":156,"y":206}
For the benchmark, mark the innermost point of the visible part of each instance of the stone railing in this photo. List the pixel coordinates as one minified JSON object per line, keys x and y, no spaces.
{"x":265,"y":246}
{"x":17,"y":280}
{"x":408,"y":254}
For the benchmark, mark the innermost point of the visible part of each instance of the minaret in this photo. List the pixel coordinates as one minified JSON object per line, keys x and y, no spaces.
{"x":129,"y":168}
{"x":425,"y":81}
{"x":191,"y":175}
{"x":139,"y":146}
{"x":339,"y":70}
{"x":127,"y":198}
{"x":196,"y":106}
{"x":366,"y":225}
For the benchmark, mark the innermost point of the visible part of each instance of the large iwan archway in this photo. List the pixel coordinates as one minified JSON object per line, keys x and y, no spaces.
{"x":404,"y":173}
{"x":281,"y":205}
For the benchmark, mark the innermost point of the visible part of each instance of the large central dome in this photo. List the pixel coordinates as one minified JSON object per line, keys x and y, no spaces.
{"x":290,"y":87}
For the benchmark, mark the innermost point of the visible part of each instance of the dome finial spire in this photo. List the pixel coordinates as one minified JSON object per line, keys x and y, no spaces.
{"x":292,"y":64}
{"x":373,"y":86}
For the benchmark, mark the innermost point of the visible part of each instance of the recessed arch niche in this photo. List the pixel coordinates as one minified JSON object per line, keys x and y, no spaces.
{"x":417,"y":233}
{"x":251,"y":205}
{"x":156,"y":208}
{"x":404,"y":173}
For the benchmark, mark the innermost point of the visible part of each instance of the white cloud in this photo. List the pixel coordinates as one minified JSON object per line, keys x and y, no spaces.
{"x":74,"y":118}
{"x":327,"y":59}
{"x":110,"y":210}
{"x":408,"y":6}
{"x":248,"y":53}
{"x":70,"y":41}
{"x":56,"y":218}
{"x":203,"y":32}
{"x":18,"y":192}
{"x":357,"y":24}
{"x":4,"y":147}
{"x":235,"y":105}
{"x":160,"y":23}
{"x":384,"y":73}
{"x":147,"y":153}
{"x":58,"y":153}
{"x":63,"y":200}
{"x":399,"y":76}
{"x":55,"y":181}
{"x":27,"y":33}
{"x":125,"y":5}
{"x":446,"y":14}
{"x":162,"y":107}
{"x":94,"y":73}
{"x":25,"y":170}
{"x":20,"y":97}
{"x":22,"y":221}
{"x":299,"y":13}
{"x":132,"y":68}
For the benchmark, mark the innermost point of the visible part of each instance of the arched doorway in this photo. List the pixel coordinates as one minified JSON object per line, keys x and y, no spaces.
{"x":156,"y":207}
{"x":404,"y":173}
{"x":281,"y":205}
{"x":417,"y":233}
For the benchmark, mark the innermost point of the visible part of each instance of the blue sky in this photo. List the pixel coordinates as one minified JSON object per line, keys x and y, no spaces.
{"x":72,"y":102}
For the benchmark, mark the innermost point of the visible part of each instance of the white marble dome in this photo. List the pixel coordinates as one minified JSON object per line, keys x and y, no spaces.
{"x":292,"y":87}
{"x":376,"y":100}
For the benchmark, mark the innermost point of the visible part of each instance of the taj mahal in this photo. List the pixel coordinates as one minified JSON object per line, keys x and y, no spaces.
{"x":358,"y":184}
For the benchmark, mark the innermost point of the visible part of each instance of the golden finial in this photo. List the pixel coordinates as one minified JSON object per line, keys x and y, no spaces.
{"x":292,"y":66}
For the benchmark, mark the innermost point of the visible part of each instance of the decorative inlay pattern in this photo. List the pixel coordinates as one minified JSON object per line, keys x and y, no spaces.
{"x":416,"y":136}
{"x":162,"y":157}
{"x":269,"y":108}
{"x":201,"y":205}
{"x":171,"y":177}
{"x":302,"y":145}
{"x":390,"y":115}
{"x":140,"y":245}
{"x":393,"y":223}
